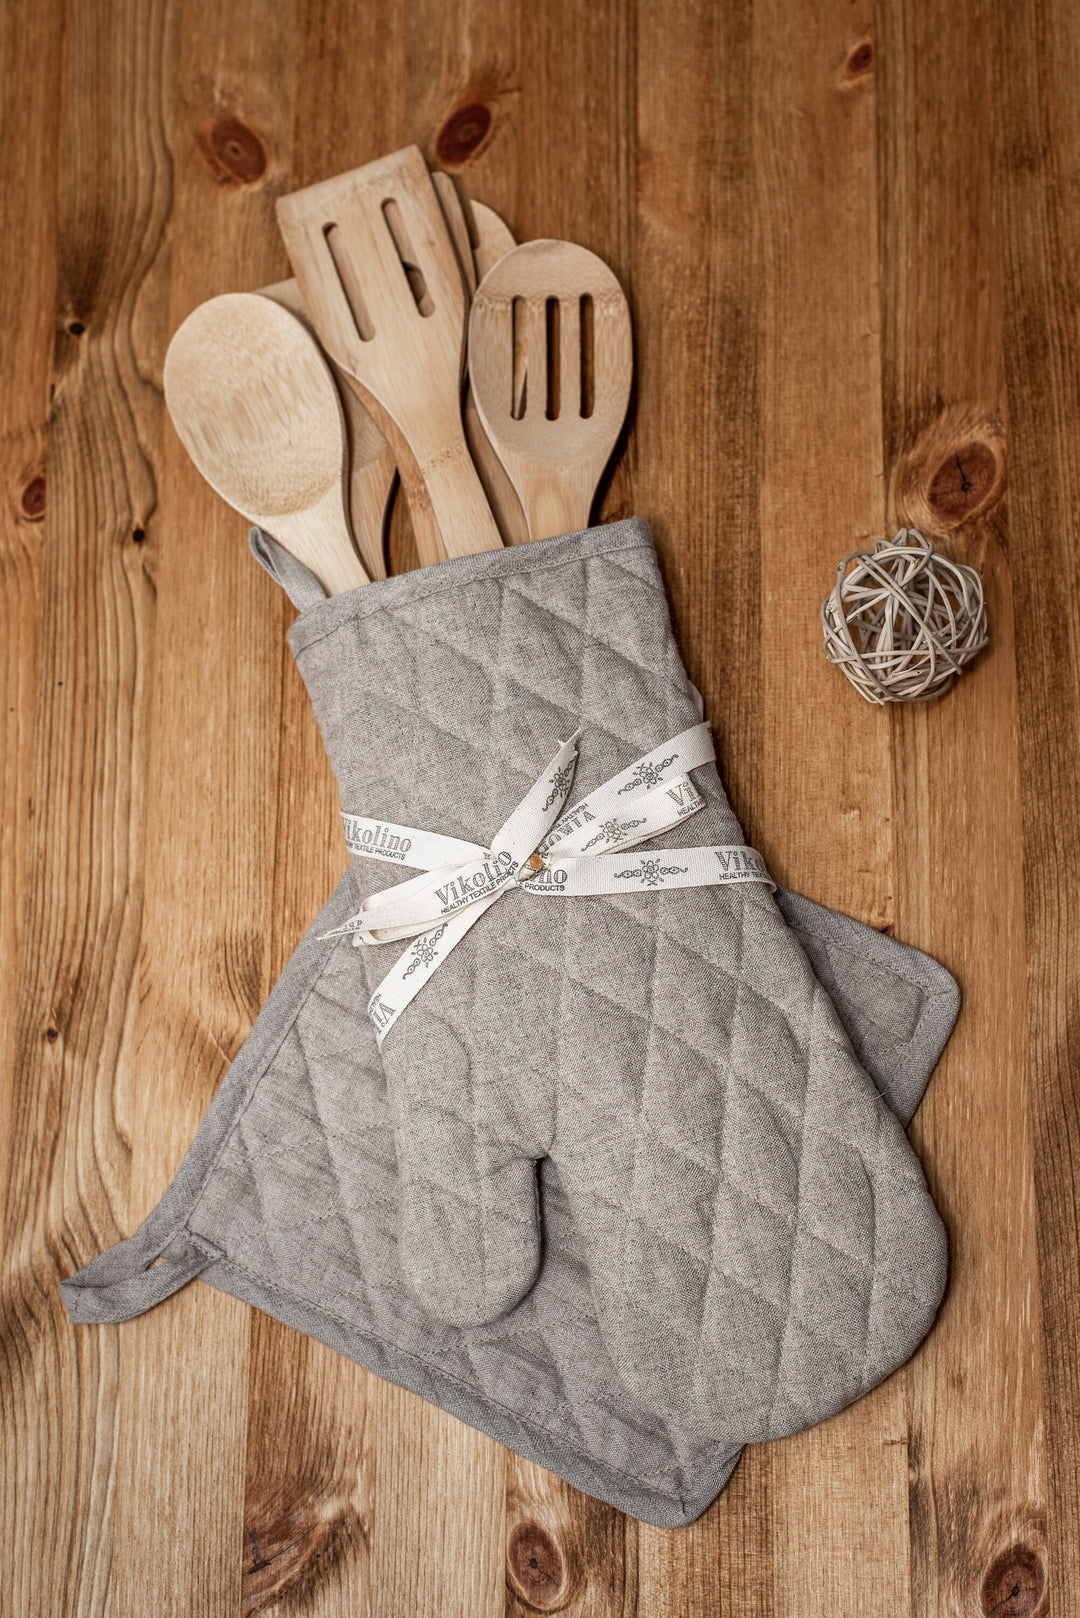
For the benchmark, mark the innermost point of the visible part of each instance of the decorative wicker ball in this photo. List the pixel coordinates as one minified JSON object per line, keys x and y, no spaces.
{"x":905,"y":621}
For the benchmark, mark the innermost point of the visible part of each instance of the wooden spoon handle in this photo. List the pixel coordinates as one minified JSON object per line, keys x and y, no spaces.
{"x":556,"y":500}
{"x":449,"y":510}
{"x":318,"y":538}
{"x":501,"y":494}
{"x":372,"y":469}
{"x":425,"y":528}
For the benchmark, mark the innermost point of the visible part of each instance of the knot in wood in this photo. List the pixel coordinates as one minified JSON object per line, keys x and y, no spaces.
{"x":860,"y":59}
{"x":463,"y":134}
{"x":32,"y":500}
{"x":536,"y":1564}
{"x":234,"y":151}
{"x":963,"y":482}
{"x":905,"y":621}
{"x":1014,"y":1584}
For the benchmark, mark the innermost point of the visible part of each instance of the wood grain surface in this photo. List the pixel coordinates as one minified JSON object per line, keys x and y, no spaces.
{"x":849,"y":234}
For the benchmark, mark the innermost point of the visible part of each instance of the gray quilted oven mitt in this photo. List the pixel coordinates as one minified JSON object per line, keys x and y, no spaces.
{"x":289,"y":1197}
{"x":760,"y":1241}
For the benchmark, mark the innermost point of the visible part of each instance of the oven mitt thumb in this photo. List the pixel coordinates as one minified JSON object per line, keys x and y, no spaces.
{"x":753,"y":1216}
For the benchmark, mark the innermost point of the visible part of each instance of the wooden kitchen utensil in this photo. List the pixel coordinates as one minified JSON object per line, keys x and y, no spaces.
{"x":453,"y":213}
{"x":256,"y":407}
{"x":481,"y":237}
{"x":491,"y":235}
{"x":550,"y":364}
{"x":382,"y":284}
{"x":493,"y":239}
{"x":372,"y":468}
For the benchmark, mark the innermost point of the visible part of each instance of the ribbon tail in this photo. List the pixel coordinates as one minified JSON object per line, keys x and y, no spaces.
{"x":411,"y":970}
{"x":525,"y":829}
{"x":654,"y":871}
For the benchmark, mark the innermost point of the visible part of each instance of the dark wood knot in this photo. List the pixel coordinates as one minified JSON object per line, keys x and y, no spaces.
{"x":860,"y":59}
{"x":234,"y":152}
{"x":32,"y":499}
{"x":536,"y":1564}
{"x":464,"y":134}
{"x":963,"y":482}
{"x":285,"y":1548}
{"x":1014,"y":1584}
{"x":952,"y":473}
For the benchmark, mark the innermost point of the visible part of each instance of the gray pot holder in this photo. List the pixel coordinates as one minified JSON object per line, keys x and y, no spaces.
{"x":753,"y":1244}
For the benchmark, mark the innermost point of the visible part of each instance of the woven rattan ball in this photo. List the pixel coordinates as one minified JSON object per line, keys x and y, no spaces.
{"x":905,"y":621}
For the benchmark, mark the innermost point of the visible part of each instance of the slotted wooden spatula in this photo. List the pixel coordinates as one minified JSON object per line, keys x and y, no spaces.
{"x":379,"y":275}
{"x":257,"y":408}
{"x":550,"y":364}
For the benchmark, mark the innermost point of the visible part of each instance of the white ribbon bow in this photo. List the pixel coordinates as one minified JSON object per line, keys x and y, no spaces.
{"x":540,"y":852}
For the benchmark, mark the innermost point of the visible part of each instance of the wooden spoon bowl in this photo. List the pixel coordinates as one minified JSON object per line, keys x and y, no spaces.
{"x":255,"y":405}
{"x":372,"y":469}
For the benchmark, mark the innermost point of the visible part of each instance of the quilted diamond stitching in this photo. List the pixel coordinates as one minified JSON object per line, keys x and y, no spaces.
{"x":532,"y":1358}
{"x":617,"y":671}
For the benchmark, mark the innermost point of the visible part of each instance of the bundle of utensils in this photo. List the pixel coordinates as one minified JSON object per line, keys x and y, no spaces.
{"x":418,"y":344}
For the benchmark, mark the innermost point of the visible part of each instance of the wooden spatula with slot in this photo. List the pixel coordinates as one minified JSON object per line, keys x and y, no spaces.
{"x":256,"y":406}
{"x":550,"y":364}
{"x":378,"y":273}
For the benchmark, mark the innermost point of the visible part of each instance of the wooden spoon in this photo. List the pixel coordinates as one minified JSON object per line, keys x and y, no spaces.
{"x":372,"y":469}
{"x":256,"y":407}
{"x":551,"y":364}
{"x":381,"y":281}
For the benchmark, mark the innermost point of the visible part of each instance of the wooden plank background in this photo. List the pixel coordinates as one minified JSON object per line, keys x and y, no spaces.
{"x":851,"y":237}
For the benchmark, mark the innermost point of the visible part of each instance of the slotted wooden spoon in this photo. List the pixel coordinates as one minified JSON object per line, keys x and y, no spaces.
{"x":551,"y":363}
{"x":372,"y":468}
{"x":256,"y":407}
{"x":379,"y":275}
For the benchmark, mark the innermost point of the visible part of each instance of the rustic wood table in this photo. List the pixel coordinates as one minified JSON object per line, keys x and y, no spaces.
{"x":852,"y":246}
